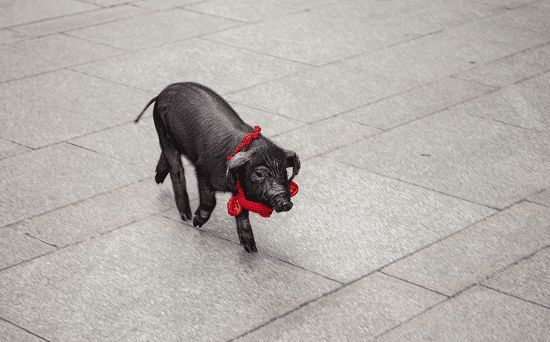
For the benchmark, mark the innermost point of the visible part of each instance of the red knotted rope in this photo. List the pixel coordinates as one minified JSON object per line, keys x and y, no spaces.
{"x":247,"y":140}
{"x":236,"y":203}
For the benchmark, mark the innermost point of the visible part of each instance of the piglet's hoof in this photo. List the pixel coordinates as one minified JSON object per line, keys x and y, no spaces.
{"x":249,"y":246}
{"x":201,"y":216}
{"x":185,"y":214}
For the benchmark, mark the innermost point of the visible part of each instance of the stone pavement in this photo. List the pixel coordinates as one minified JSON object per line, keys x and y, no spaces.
{"x":424,"y":132}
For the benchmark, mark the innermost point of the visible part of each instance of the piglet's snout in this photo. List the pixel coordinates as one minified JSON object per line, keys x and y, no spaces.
{"x":282,"y":204}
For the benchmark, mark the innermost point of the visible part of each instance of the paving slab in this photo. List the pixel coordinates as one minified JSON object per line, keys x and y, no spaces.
{"x":542,"y":198}
{"x":373,"y":304}
{"x":454,"y":13}
{"x":79,"y":20}
{"x":34,"y":56}
{"x":24,"y":11}
{"x":318,"y":37}
{"x":135,"y":144}
{"x":272,"y":124}
{"x":323,"y":136}
{"x":319,"y":93}
{"x":56,"y":106}
{"x":533,"y":18}
{"x":45,"y":179}
{"x":16,"y":247}
{"x":529,"y":279}
{"x":346,"y":222}
{"x":106,"y":3}
{"x":476,"y":159}
{"x":430,"y":58}
{"x":461,"y":260}
{"x":369,"y":10}
{"x":523,"y":104}
{"x":11,"y":333}
{"x":163,"y":5}
{"x":222,"y":67}
{"x":99,"y":214}
{"x":8,"y":36}
{"x":155,"y":29}
{"x":519,"y":29}
{"x":250,"y":10}
{"x":511,"y":69}
{"x":416,"y":103}
{"x":8,"y":148}
{"x":478,"y":314}
{"x":153,"y":280}
{"x":509,"y":4}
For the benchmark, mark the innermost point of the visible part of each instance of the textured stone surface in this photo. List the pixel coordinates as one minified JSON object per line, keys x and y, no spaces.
{"x":8,"y":148}
{"x":529,"y":279}
{"x":373,"y":304}
{"x":478,"y":314}
{"x":135,"y":144}
{"x":162,"y":5}
{"x":510,"y":31}
{"x":319,"y":93}
{"x":475,"y":253}
{"x":221,"y":67}
{"x":16,"y":247}
{"x":79,"y":20}
{"x":57,"y":106}
{"x":542,"y":198}
{"x":99,"y":214}
{"x":523,"y":104}
{"x":511,"y":69}
{"x":8,"y":36}
{"x":252,"y":10}
{"x":430,"y":58}
{"x":416,"y":103}
{"x":476,"y":159}
{"x":153,"y":280}
{"x":318,"y":37}
{"x":323,"y":136}
{"x":38,"y":181}
{"x":11,"y":333}
{"x":24,"y":11}
{"x":272,"y":124}
{"x":154,"y":29}
{"x":371,"y":220}
{"x":35,"y":56}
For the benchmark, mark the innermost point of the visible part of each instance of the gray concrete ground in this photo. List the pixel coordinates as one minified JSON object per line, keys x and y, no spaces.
{"x":424,"y":132}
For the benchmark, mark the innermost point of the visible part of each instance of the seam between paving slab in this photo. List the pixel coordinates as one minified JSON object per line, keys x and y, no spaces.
{"x":21,"y":328}
{"x":413,"y":283}
{"x":514,"y":296}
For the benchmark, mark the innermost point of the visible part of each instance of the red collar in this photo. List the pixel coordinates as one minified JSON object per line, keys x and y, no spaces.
{"x":236,"y":203}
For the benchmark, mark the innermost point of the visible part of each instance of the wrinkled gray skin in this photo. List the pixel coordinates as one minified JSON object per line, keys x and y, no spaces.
{"x":193,"y":120}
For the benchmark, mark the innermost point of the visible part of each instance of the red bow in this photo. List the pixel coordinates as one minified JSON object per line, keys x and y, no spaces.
{"x":236,"y":203}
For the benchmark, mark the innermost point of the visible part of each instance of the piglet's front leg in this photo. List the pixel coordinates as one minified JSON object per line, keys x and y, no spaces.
{"x":244,"y":230}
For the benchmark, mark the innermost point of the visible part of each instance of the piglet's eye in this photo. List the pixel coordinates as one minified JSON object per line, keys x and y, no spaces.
{"x":259,"y":173}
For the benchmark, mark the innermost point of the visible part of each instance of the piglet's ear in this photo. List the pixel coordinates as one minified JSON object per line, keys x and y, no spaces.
{"x":293,"y":161}
{"x":233,"y":166}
